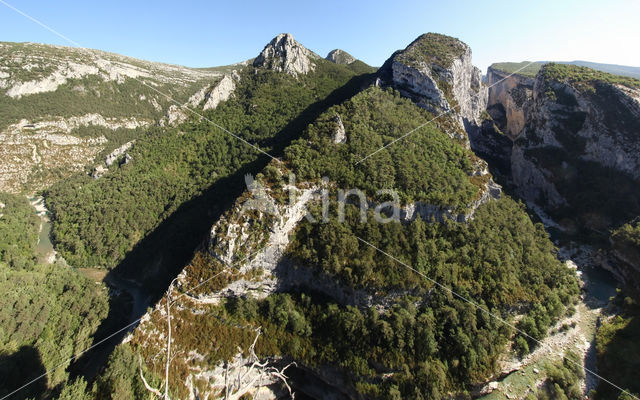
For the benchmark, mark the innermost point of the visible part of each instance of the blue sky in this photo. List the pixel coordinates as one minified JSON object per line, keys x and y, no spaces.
{"x":209,"y":33}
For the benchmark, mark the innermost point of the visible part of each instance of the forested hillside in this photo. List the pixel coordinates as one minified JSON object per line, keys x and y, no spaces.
{"x":410,"y":339}
{"x":48,"y":313}
{"x":97,"y":222}
{"x":266,"y":236}
{"x":63,"y":109}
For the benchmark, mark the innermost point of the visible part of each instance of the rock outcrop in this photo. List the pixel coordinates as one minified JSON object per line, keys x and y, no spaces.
{"x":508,"y":96}
{"x":112,"y":157}
{"x":436,"y":71}
{"x":220,"y":92}
{"x":339,"y":136}
{"x":340,"y":57}
{"x":285,"y":54}
{"x":566,"y":124}
{"x":210,"y":96}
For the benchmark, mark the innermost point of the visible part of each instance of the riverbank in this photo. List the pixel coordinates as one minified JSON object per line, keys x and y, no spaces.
{"x":45,"y":252}
{"x":577,"y":333}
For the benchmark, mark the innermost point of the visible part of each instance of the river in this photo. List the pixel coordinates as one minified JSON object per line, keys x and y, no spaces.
{"x":44,"y":248}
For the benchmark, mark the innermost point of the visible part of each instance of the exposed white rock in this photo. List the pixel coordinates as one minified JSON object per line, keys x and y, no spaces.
{"x":111,"y":158}
{"x":117,"y":70}
{"x":221,"y":92}
{"x":117,"y":153}
{"x":285,"y":54}
{"x":339,"y":135}
{"x":198,"y":97}
{"x":175,"y":115}
{"x":272,"y":246}
{"x":52,"y":82}
{"x":155,"y":104}
{"x":67,"y":63}
{"x":425,"y":81}
{"x":468,"y":90}
{"x":420,"y":82}
{"x":211,"y":96}
{"x":340,"y":57}
{"x":66,"y":125}
{"x":20,"y":170}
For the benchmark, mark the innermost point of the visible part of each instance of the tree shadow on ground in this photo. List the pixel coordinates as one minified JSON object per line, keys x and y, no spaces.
{"x":158,"y":258}
{"x":19,"y":369}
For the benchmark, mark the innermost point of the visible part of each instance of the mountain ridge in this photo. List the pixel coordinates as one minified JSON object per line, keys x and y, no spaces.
{"x":247,"y":278}
{"x":295,"y":259}
{"x":616,"y":69}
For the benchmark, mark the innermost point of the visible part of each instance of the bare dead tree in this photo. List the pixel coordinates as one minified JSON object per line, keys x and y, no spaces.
{"x":169,"y":357}
{"x":239,"y":378}
{"x":146,"y":384}
{"x":246,"y":377}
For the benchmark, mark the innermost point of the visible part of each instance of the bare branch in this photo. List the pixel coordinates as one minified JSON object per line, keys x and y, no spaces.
{"x":166,"y":371}
{"x":146,"y":385}
{"x":280,"y":375}
{"x":256,"y":371}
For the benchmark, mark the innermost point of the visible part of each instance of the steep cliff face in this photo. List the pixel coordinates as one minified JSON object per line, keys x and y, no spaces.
{"x":577,"y":130}
{"x":575,"y":151}
{"x":436,"y":71}
{"x":285,"y":54}
{"x":507,"y":100}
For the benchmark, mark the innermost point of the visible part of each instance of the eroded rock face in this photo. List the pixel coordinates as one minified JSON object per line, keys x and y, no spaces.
{"x":211,"y":96}
{"x":221,"y":92}
{"x":340,"y":57}
{"x":285,"y":54}
{"x":534,"y":183}
{"x":508,"y":97}
{"x":564,"y":126}
{"x":339,"y":136}
{"x":112,"y":157}
{"x":440,"y":80}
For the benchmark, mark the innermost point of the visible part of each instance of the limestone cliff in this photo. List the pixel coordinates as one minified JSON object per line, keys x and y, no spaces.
{"x":508,"y":96}
{"x":285,"y":54}
{"x":61,"y":104}
{"x":569,"y":123}
{"x":436,"y":71}
{"x":575,"y":150}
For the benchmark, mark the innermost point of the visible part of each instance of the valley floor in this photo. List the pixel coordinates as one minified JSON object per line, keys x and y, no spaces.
{"x":577,"y":333}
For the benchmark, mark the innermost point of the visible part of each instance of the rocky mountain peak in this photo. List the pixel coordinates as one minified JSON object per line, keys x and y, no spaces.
{"x":340,"y":57}
{"x":436,"y":71}
{"x":284,"y":54}
{"x":433,"y":49}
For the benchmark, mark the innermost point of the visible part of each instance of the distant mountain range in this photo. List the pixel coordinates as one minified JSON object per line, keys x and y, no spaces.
{"x":533,"y":69}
